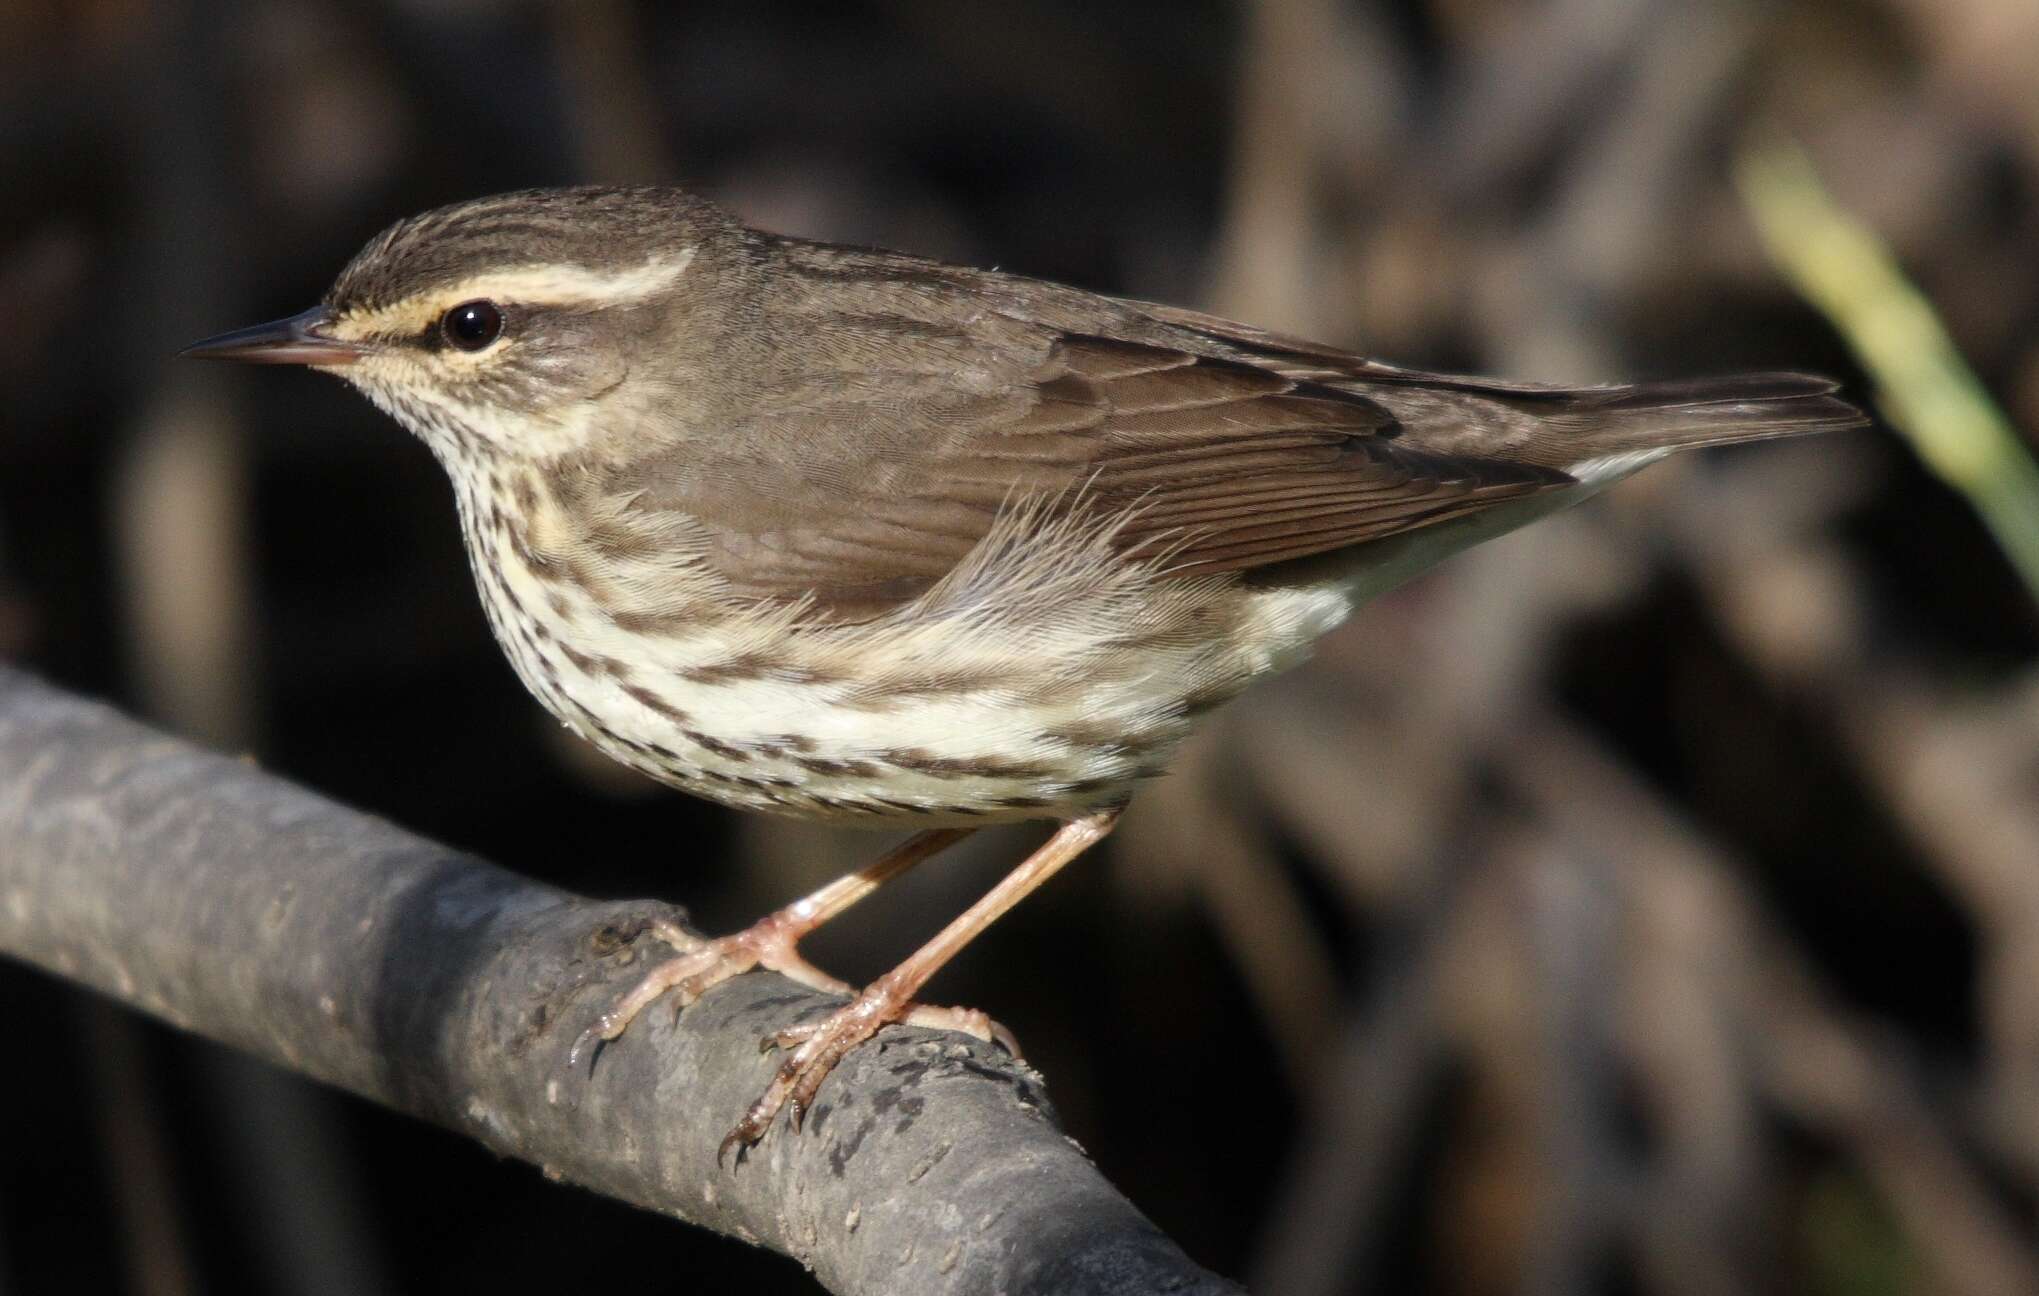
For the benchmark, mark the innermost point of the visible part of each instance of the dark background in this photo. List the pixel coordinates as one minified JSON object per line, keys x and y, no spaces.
{"x":1648,"y":902}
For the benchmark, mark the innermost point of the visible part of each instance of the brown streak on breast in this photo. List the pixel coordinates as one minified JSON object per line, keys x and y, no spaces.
{"x":822,"y":765}
{"x":757,"y":666}
{"x":582,"y":662}
{"x":899,"y":685}
{"x":989,"y":767}
{"x":1104,"y":738}
{"x":664,"y":622}
{"x":526,"y":492}
{"x":656,"y":703}
{"x":710,"y":743}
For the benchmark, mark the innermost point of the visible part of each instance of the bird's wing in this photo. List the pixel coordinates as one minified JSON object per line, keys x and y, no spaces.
{"x":1567,"y":428}
{"x":861,"y":491}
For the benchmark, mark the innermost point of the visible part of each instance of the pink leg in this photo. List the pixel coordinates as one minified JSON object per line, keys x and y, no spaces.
{"x":772,"y":943}
{"x":819,"y":1046}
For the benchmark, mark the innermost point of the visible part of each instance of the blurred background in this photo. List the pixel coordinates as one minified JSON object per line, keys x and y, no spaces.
{"x":1645,"y":903}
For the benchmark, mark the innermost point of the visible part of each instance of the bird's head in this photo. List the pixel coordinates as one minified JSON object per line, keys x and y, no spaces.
{"x":520,"y":325}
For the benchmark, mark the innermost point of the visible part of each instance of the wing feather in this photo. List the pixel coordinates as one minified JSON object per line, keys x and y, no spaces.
{"x":1221,"y":464}
{"x":901,"y":407}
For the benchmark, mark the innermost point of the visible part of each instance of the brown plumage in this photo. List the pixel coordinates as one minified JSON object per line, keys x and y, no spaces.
{"x":853,"y":534}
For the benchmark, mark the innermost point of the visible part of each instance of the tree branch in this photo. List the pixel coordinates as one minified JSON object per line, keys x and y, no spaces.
{"x":235,"y":905}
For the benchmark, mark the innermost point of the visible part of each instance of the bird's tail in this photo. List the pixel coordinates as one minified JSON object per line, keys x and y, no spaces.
{"x":1664,"y":416}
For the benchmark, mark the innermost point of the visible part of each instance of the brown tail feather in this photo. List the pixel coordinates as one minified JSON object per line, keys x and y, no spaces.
{"x":1590,"y":422}
{"x":1700,"y":411}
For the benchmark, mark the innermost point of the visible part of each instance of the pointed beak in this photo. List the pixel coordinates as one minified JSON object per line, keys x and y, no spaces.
{"x":297,"y":340}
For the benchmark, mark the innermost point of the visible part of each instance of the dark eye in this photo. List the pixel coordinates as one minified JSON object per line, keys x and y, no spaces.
{"x":472,"y":325}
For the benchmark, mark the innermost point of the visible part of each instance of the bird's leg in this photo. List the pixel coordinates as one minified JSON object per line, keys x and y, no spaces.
{"x":818,"y":1046}
{"x":772,"y":943}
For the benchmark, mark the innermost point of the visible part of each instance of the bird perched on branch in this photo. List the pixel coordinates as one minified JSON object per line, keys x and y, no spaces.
{"x":858,"y":536}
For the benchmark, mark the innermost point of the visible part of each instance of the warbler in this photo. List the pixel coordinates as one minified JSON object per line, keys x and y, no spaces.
{"x":854,"y":535}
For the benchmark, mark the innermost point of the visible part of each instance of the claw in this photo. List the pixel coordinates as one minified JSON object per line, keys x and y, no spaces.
{"x":756,"y":1121}
{"x":592,"y":1035}
{"x":817,"y":1046}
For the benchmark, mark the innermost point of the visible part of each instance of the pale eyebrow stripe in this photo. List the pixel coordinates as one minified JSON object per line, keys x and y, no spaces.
{"x":532,"y":285}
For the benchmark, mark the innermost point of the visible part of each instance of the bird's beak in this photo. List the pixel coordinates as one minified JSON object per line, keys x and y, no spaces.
{"x":297,"y":340}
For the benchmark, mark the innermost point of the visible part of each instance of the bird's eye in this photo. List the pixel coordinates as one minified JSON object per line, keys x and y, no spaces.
{"x":472,"y":325}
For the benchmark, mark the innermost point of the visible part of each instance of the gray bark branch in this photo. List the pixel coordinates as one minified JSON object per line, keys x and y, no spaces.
{"x":221,"y":899}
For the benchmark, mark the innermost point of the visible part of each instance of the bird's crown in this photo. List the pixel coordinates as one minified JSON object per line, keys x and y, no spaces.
{"x":590,"y":244}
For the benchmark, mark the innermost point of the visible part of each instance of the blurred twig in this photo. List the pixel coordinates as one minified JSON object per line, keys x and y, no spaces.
{"x":158,"y":1253}
{"x":1807,"y":1053}
{"x":1953,"y":767}
{"x":1927,"y":389}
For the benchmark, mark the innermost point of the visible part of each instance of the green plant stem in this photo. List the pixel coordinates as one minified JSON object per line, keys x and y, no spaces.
{"x":1925,"y":388}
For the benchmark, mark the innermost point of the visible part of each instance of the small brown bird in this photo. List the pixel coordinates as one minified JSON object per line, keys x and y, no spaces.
{"x":857,"y":536}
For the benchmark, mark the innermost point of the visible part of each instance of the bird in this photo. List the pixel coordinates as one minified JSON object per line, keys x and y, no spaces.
{"x":864,"y":537}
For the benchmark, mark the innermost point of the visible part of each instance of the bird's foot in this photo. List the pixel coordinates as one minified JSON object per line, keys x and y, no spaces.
{"x":702,"y":965}
{"x":818,"y":1045}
